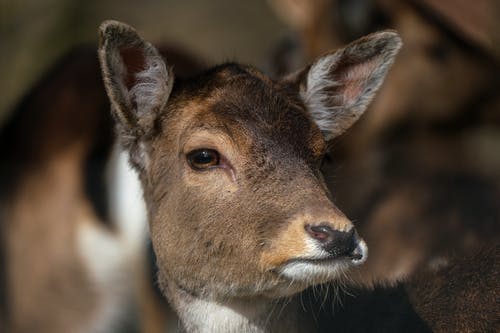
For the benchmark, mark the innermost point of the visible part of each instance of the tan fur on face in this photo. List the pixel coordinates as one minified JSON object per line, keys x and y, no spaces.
{"x":294,"y":242}
{"x":218,"y":231}
{"x":290,"y":244}
{"x":231,"y":213}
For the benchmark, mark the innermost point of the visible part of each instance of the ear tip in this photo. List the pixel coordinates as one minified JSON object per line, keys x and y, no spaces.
{"x":391,"y":38}
{"x":112,"y":30}
{"x":113,"y":26}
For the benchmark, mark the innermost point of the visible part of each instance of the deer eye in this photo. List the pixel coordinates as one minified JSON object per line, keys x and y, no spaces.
{"x":203,"y":159}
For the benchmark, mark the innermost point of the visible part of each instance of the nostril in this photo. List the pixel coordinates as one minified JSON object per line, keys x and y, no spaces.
{"x":322,"y":233}
{"x":337,"y":243}
{"x":343,"y":244}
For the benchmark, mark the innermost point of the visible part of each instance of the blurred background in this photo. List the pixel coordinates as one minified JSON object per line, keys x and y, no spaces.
{"x":34,"y":34}
{"x":420,"y":173}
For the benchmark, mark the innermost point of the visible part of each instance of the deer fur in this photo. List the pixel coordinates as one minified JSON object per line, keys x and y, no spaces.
{"x":232,"y":240}
{"x":458,"y":295}
{"x":73,"y":247}
{"x":426,"y":183}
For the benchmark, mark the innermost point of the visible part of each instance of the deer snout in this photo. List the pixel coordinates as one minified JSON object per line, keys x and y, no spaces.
{"x":338,"y":244}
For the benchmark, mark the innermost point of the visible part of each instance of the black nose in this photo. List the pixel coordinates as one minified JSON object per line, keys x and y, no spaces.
{"x":337,"y":243}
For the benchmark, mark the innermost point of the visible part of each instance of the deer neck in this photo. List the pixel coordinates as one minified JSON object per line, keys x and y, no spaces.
{"x":255,"y":314}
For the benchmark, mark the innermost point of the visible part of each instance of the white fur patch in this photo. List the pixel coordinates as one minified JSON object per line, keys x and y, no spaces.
{"x":245,"y":315}
{"x":362,"y":248}
{"x":106,"y":261}
{"x":206,"y":316}
{"x":320,"y":270}
{"x":113,"y":257}
{"x":314,"y":272}
{"x":127,"y":207}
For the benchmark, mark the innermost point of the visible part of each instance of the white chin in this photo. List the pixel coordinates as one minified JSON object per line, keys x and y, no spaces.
{"x":313,"y":272}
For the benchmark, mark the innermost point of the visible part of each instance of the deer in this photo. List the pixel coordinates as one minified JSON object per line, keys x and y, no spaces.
{"x":229,"y":162}
{"x":73,"y":260}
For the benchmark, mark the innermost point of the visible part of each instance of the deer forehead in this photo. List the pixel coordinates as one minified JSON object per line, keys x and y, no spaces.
{"x":240,"y":109}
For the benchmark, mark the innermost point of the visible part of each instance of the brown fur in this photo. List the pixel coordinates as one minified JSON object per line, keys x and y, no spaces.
{"x":44,"y":190}
{"x":223,"y":235}
{"x":237,"y":212}
{"x":463,"y":296}
{"x":55,"y":148}
{"x":313,"y":21}
{"x":418,"y":153}
{"x":54,"y":268}
{"x":428,"y":143}
{"x":460,"y":296}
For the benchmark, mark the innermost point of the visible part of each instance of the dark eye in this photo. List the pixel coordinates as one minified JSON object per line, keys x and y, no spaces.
{"x":202,"y":159}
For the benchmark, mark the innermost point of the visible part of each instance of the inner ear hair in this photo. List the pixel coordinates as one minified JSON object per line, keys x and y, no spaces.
{"x":338,"y":87}
{"x":135,"y":76}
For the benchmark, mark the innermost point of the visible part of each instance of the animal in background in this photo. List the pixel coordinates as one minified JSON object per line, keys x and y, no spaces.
{"x":424,"y":157}
{"x":73,"y":232}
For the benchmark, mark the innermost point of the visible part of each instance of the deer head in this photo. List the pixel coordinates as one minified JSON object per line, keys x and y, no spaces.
{"x":230,"y":160}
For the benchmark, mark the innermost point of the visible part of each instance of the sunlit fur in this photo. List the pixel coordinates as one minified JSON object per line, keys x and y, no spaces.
{"x":232,"y":239}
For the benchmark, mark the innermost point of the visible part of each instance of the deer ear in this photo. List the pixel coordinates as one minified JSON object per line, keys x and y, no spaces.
{"x":338,"y":87}
{"x":136,"y":78}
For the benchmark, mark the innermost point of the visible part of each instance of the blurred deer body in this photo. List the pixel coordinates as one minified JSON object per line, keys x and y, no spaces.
{"x":425,"y":157}
{"x":73,"y":221}
{"x":65,"y":262}
{"x":426,"y":153}
{"x":450,"y":297}
{"x":114,"y":259}
{"x":240,"y":217}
